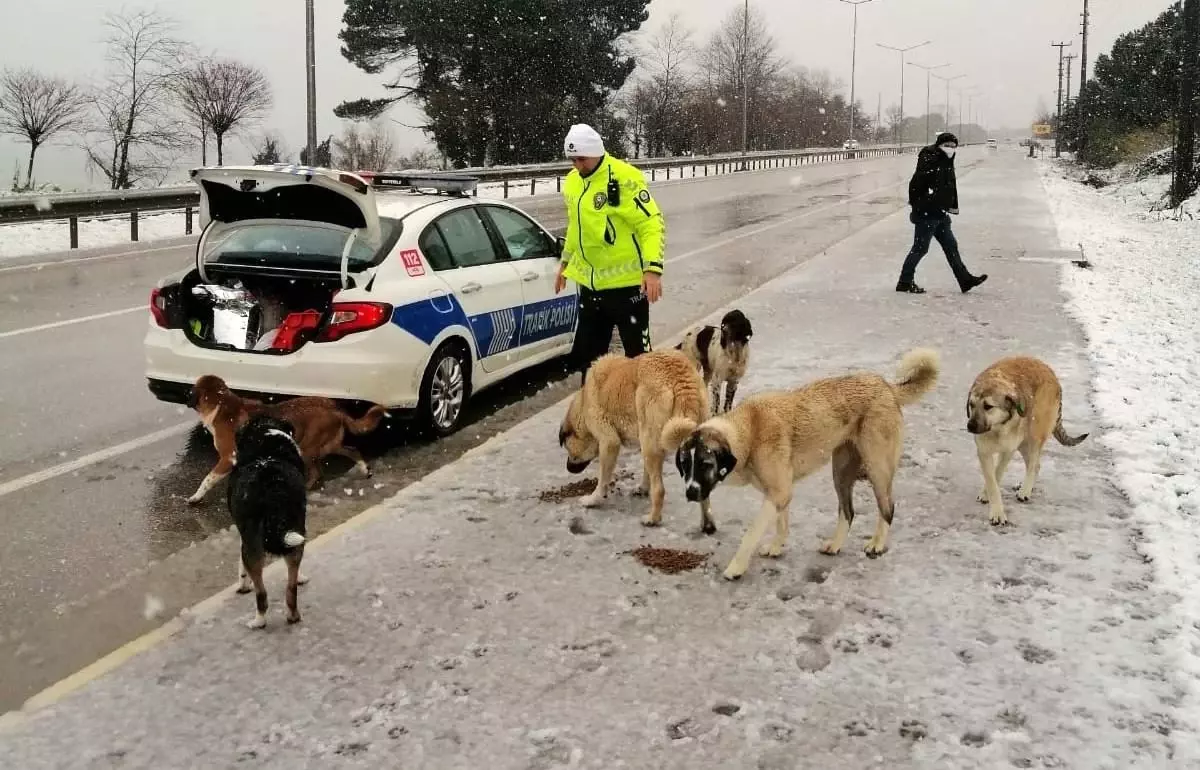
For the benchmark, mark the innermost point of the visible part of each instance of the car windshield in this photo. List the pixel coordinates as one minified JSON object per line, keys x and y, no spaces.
{"x":296,"y":244}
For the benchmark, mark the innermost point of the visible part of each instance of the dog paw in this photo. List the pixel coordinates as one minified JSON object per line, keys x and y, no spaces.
{"x":641,"y":492}
{"x":998,"y":519}
{"x":293,"y":619}
{"x":592,"y":500}
{"x":708,"y":527}
{"x":734,"y":571}
{"x":245,"y":588}
{"x":259,"y":621}
{"x":195,"y":500}
{"x":982,"y":498}
{"x":301,"y":579}
{"x":1023,"y":497}
{"x":650,"y":521}
{"x":829,"y":548}
{"x":874,"y":550}
{"x":771,"y":550}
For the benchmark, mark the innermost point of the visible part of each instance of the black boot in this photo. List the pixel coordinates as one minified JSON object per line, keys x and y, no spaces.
{"x":909,"y":288}
{"x":975,"y":281}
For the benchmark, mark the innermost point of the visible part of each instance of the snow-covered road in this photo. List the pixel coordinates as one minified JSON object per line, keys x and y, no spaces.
{"x":467,"y":623}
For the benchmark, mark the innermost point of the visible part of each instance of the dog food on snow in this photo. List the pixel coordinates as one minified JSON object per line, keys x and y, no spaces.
{"x":568,"y":491}
{"x":668,"y":560}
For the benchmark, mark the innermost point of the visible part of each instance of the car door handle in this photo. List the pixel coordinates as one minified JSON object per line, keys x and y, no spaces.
{"x":530,"y":277}
{"x":471,"y":288}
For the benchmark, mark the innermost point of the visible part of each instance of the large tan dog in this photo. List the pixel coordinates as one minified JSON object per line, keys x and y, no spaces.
{"x":652,"y":402}
{"x":772,"y":440}
{"x":1014,"y":405}
{"x":319,"y":424}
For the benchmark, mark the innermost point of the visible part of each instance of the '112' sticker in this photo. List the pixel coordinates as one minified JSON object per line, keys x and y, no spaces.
{"x":412,"y":262}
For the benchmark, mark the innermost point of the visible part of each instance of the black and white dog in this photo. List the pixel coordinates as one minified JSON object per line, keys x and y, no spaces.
{"x":723,"y":357}
{"x":268,"y":500}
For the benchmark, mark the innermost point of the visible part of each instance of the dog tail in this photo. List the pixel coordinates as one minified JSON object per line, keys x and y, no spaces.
{"x":676,"y":431}
{"x":691,"y":408}
{"x":365,"y":424}
{"x":1061,"y":434}
{"x":917,"y":374}
{"x":293,"y":539}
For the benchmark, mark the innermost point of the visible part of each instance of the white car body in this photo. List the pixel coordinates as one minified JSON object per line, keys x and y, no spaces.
{"x":850,"y":144}
{"x":437,"y":278}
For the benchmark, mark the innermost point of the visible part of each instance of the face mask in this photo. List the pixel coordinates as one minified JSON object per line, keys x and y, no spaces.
{"x":949,"y":151}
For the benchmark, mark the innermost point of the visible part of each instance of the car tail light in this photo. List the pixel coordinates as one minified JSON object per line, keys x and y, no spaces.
{"x":158,"y":308}
{"x":352,"y":317}
{"x":292,"y":326}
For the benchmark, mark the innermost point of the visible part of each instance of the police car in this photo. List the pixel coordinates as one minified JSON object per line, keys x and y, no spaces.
{"x":393,"y":289}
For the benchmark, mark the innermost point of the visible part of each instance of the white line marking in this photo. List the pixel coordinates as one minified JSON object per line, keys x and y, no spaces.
{"x":16,"y":485}
{"x":70,"y":321}
{"x":97,"y":258}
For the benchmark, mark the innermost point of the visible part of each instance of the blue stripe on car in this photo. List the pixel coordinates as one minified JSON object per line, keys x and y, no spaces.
{"x":496,"y":332}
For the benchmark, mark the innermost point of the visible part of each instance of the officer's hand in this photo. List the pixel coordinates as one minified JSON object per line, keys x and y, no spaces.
{"x":560,"y":280}
{"x":652,"y":286}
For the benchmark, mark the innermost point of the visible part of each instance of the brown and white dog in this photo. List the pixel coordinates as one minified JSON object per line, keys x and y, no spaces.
{"x":320,"y":428}
{"x":1014,"y":405}
{"x":722,"y":357}
{"x":773,"y":440}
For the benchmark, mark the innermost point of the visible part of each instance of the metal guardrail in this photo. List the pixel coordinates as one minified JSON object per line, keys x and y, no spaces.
{"x":71,"y":207}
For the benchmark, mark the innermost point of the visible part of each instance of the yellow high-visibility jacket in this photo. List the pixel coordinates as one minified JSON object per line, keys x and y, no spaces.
{"x":607,"y":246}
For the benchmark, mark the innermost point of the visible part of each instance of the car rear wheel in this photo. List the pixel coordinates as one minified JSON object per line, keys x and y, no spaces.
{"x":444,"y":390}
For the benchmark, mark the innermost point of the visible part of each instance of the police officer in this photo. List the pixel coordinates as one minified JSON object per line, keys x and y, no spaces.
{"x":614,"y":249}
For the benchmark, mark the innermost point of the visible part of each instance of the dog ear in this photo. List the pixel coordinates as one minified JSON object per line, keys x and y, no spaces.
{"x":1015,"y":405}
{"x":683,"y":460}
{"x":563,"y":433}
{"x":726,"y":462}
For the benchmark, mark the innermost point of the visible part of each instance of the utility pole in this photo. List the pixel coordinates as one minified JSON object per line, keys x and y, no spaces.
{"x":311,"y":70}
{"x":899,"y":128}
{"x":745,"y":82}
{"x":1081,"y":103}
{"x":1058,"y":116}
{"x":948,"y":81}
{"x":1185,"y":142}
{"x":928,"y":91}
{"x":853,"y":58}
{"x":879,"y":116}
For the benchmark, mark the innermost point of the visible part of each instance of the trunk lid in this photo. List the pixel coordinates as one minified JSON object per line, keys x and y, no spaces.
{"x":286,"y":219}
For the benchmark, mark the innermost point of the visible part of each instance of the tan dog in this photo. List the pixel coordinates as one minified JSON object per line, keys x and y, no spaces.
{"x":773,"y":440}
{"x":1014,"y":405}
{"x":652,"y":402}
{"x":722,"y":355}
{"x":319,"y":424}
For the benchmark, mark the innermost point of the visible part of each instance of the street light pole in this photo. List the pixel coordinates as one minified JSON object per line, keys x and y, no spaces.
{"x":745,"y":82}
{"x":928,"y":91}
{"x":900,"y":129}
{"x":311,"y":71}
{"x":948,"y":81}
{"x":854,"y":58}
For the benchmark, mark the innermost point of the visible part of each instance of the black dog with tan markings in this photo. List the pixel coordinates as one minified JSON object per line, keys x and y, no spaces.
{"x":268,"y":502}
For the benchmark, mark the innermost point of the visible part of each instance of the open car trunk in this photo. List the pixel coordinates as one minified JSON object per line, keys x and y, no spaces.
{"x":254,"y":313}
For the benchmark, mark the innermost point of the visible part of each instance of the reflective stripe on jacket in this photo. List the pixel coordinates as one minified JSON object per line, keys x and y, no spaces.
{"x":610,"y":246}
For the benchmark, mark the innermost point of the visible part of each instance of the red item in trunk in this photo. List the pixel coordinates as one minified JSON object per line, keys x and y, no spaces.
{"x":291,"y":327}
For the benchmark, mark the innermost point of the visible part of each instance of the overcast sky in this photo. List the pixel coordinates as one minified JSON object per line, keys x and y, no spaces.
{"x":1002,"y":46}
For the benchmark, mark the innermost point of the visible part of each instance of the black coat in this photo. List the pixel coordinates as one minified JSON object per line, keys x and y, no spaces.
{"x":933,"y":189}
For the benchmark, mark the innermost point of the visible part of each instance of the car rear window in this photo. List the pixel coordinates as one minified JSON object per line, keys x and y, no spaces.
{"x":299,"y":245}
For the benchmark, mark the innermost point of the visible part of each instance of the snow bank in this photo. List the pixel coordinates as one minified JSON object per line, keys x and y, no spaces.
{"x":1137,"y":305}
{"x":54,"y":236}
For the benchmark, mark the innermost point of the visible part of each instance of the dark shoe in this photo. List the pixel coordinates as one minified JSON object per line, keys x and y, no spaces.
{"x":909,"y":288}
{"x":975,"y":281}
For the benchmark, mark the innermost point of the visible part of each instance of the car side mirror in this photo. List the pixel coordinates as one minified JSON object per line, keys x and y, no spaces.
{"x":561,"y":244}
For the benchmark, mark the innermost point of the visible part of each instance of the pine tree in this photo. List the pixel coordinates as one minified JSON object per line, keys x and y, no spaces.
{"x":500,"y":81}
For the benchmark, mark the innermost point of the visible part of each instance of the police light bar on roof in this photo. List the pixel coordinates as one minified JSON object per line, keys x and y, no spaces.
{"x":445,"y":183}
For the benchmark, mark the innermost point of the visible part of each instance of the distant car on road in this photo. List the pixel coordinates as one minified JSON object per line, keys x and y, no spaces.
{"x":395,"y":289}
{"x":991,"y":143}
{"x":850,"y":144}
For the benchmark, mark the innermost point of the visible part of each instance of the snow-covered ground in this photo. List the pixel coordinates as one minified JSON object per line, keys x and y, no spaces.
{"x":53,"y":236}
{"x":1139,"y":305}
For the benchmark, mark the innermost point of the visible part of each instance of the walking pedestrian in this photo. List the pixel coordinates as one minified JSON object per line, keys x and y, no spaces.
{"x":613,"y":249}
{"x":933,"y":196}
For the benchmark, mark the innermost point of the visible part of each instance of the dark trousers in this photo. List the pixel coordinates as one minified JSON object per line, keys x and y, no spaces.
{"x":627,"y":309}
{"x":928,"y":227}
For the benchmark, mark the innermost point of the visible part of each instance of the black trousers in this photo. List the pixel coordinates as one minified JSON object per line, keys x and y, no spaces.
{"x":929,"y":227}
{"x":627,"y":309}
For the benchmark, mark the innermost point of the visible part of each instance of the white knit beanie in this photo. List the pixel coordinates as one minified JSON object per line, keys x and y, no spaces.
{"x":583,"y":142}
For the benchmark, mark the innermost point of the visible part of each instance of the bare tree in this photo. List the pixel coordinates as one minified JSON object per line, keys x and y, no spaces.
{"x":371,"y":150}
{"x":635,"y":104}
{"x":134,"y":131}
{"x":224,"y":95}
{"x":35,"y":107}
{"x":667,"y":63}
